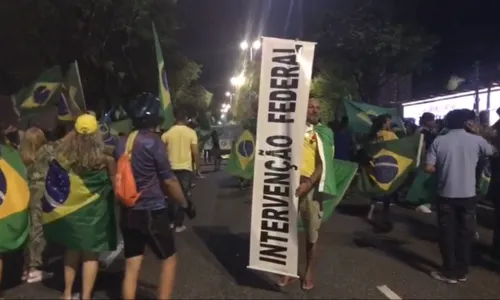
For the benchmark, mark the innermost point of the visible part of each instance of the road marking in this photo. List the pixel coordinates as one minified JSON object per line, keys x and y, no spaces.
{"x":485,"y":207}
{"x":384,"y":289}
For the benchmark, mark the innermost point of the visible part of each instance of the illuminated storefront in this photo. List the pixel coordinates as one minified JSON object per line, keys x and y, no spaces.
{"x":440,"y":106}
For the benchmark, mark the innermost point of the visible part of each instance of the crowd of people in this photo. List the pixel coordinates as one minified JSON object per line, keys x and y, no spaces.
{"x":457,"y":149}
{"x":148,"y":223}
{"x":165,"y":163}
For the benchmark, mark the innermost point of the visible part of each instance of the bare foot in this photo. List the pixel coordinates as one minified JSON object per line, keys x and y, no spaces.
{"x":307,"y":284}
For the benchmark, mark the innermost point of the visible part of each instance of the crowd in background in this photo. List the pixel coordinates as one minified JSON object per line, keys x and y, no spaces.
{"x":457,"y":149}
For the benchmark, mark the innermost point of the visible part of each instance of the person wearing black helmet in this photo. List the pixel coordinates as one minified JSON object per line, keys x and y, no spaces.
{"x":147,"y":222}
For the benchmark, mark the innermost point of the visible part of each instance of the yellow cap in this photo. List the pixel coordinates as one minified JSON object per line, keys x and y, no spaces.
{"x":86,"y":124}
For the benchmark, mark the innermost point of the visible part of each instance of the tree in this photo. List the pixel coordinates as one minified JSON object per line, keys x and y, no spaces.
{"x":194,"y":98}
{"x":366,"y":51}
{"x":248,"y":92}
{"x":112,"y":41}
{"x":330,"y":85}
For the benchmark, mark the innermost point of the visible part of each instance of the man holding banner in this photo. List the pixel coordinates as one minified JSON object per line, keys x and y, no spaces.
{"x":285,"y":81}
{"x":318,"y":147}
{"x":293,"y":164}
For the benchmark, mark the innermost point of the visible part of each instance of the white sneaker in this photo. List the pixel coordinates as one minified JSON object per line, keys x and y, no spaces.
{"x":439,"y":276}
{"x":37,"y":276}
{"x":424,"y":209}
{"x":180,"y":229}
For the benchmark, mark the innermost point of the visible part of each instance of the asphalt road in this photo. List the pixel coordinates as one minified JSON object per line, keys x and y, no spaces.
{"x":355,"y":261}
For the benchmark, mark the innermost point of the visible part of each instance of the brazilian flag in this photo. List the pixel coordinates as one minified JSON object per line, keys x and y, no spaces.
{"x":344,"y":173}
{"x":41,"y":92}
{"x":241,"y":160}
{"x":14,"y":200}
{"x":361,"y":116}
{"x":163,"y":90}
{"x":78,"y":208}
{"x":391,"y":162}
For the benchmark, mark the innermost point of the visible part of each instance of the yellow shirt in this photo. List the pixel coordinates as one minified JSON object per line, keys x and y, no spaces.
{"x":309,"y":155}
{"x":384,"y":136}
{"x":179,"y":139}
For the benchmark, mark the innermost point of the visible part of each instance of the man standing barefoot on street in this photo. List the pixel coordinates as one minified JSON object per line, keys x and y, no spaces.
{"x":318,"y":145}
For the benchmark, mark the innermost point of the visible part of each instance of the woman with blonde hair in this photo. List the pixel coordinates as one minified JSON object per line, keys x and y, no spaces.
{"x":36,"y":158}
{"x":79,"y":202}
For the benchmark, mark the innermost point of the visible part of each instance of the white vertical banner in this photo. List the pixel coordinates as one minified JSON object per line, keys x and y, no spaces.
{"x":285,"y":80}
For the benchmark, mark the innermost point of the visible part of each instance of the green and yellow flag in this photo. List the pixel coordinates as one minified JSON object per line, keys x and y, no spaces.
{"x":44,"y":90}
{"x":344,"y":173}
{"x":241,"y":160}
{"x":14,"y":200}
{"x":72,"y":100}
{"x":163,"y":90}
{"x":391,"y":163}
{"x":78,"y":209}
{"x":361,"y":116}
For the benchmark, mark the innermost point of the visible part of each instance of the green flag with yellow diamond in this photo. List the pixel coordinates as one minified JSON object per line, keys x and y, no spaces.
{"x":163,"y":90}
{"x":42,"y":91}
{"x":344,"y":173}
{"x":391,"y":162}
{"x":79,"y":208}
{"x":14,"y":200}
{"x":241,"y":160}
{"x":361,"y":116}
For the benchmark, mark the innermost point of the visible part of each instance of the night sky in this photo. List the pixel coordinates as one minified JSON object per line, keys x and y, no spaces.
{"x":212,"y":30}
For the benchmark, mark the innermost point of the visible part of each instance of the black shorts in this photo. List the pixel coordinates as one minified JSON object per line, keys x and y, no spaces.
{"x":143,"y":227}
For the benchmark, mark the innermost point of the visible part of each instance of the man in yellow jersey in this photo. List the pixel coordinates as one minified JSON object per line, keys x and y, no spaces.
{"x":310,"y":205}
{"x":183,"y":153}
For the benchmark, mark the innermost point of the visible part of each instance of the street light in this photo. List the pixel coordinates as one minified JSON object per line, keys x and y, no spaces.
{"x":244,"y":45}
{"x":255,"y":46}
{"x":237,"y":81}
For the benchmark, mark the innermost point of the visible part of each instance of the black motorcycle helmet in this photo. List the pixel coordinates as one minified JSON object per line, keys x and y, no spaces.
{"x":145,"y":111}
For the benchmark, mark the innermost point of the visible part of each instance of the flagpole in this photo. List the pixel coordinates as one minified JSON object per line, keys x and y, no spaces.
{"x":80,"y":84}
